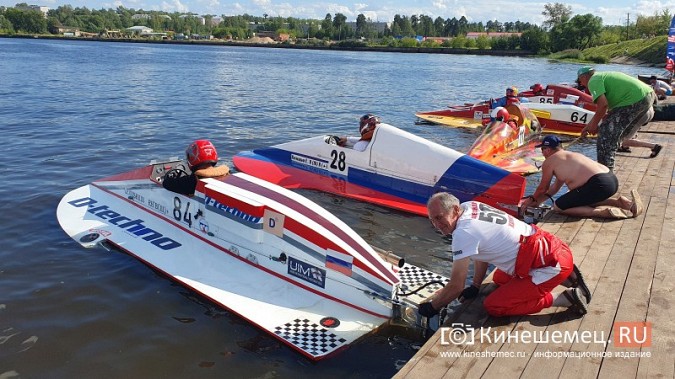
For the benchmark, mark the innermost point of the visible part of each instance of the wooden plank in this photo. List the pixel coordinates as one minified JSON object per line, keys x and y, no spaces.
{"x":660,"y":364}
{"x":596,"y":255}
{"x":635,"y":296}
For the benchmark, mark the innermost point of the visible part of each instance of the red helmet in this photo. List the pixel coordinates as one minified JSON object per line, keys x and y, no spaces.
{"x":537,"y":87}
{"x":500,"y":114}
{"x":367,"y":124}
{"x":200,"y":152}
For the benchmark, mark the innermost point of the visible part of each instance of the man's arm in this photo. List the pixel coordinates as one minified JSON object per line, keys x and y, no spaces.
{"x":600,"y":112}
{"x":479,"y":271}
{"x":541,"y":193}
{"x":455,"y":286}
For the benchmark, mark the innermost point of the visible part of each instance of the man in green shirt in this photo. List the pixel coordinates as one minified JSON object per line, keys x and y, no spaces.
{"x":624,"y":105}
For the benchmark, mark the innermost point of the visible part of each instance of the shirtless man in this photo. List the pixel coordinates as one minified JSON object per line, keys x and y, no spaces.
{"x":590,"y":185}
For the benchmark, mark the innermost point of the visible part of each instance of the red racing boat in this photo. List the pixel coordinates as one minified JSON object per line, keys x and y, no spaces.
{"x":560,"y":109}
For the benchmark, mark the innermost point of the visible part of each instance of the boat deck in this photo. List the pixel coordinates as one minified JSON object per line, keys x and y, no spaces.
{"x":625,"y":263}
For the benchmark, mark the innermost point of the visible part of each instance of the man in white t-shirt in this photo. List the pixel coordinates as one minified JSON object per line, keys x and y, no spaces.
{"x":661,"y":88}
{"x":530,"y":262}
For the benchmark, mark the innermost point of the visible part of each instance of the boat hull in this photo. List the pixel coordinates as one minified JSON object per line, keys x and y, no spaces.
{"x":398,"y":170}
{"x":267,"y":254}
{"x":561,"y":110}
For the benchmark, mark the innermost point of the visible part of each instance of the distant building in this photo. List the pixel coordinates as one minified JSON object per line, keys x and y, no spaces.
{"x":281,"y":37}
{"x":67,"y":31}
{"x":145,"y":16}
{"x":438,"y":39}
{"x":474,"y":35}
{"x":139,"y":30}
{"x":38,"y":8}
{"x":112,"y":33}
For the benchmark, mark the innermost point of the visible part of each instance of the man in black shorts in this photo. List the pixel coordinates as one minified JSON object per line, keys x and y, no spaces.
{"x":591,"y":185}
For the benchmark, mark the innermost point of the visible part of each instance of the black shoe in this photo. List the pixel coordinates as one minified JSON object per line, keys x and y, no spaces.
{"x":655,"y":151}
{"x":623,"y":149}
{"x":578,"y":301}
{"x":581,"y":284}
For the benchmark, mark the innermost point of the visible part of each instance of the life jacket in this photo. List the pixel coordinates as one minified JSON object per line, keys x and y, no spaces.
{"x":213,"y":171}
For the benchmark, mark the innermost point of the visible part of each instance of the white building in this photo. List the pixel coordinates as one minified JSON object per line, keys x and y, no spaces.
{"x":140,"y":30}
{"x":38,"y":8}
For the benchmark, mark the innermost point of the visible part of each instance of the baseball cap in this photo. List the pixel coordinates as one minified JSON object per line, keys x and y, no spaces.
{"x":585,"y":70}
{"x":550,"y":141}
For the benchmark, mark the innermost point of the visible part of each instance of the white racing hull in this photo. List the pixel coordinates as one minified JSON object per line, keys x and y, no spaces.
{"x":267,"y":254}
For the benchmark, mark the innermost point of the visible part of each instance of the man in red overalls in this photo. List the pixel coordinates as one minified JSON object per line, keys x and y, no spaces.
{"x":530,"y":262}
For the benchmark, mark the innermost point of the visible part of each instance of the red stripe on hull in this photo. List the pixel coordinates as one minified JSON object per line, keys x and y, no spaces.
{"x":295,"y":283}
{"x":291,"y":177}
{"x":302,"y":209}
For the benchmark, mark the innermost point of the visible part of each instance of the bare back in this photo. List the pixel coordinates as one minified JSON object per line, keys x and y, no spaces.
{"x":573,"y":169}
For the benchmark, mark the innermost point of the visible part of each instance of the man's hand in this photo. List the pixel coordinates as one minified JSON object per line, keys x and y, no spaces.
{"x":468,"y":293}
{"x":427,"y":310}
{"x":589,"y":129}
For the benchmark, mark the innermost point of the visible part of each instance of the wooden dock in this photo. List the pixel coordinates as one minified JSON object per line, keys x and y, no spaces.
{"x":624,"y":262}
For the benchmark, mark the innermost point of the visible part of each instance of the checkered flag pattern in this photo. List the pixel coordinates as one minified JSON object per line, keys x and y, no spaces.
{"x":310,"y":337}
{"x":413,"y":277}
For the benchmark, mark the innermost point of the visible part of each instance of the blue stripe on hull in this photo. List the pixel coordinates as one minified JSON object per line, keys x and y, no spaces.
{"x":466,"y":178}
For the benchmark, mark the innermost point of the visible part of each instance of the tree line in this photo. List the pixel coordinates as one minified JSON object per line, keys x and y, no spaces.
{"x":560,"y":31}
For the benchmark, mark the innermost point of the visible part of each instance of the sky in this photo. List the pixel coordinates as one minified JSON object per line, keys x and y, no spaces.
{"x":612,"y":12}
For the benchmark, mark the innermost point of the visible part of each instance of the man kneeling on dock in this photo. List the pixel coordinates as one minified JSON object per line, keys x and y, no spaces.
{"x":591,"y":185}
{"x":530,"y":261}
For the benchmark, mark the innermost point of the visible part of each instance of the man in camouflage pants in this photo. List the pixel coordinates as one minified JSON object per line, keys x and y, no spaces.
{"x":624,"y":105}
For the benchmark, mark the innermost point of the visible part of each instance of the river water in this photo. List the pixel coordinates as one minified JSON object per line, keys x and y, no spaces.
{"x":75,"y":111}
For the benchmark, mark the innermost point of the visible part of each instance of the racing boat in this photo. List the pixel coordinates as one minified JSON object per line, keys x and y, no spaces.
{"x":560,"y":109}
{"x":269,"y":255}
{"x":511,"y":146}
{"x":398,"y":170}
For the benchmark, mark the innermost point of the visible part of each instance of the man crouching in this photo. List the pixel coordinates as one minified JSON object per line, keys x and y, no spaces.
{"x":530,"y":262}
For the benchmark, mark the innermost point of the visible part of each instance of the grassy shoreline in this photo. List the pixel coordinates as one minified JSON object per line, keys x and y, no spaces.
{"x":643,"y":52}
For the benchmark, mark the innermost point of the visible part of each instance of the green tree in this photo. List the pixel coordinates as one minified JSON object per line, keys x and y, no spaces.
{"x":483,"y":42}
{"x":340,"y":26}
{"x":493,"y":26}
{"x":655,"y":25}
{"x":463,"y":26}
{"x":535,"y":40}
{"x":556,"y":14}
{"x":500,"y":43}
{"x":439,"y":27}
{"x":584,"y":29}
{"x":327,"y":26}
{"x":560,"y":37}
{"x":609,"y":36}
{"x":408,"y":42}
{"x":361,"y":25}
{"x":27,"y":21}
{"x":5,"y":25}
{"x":404,"y":26}
{"x":459,"y":41}
{"x":426,"y":27}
